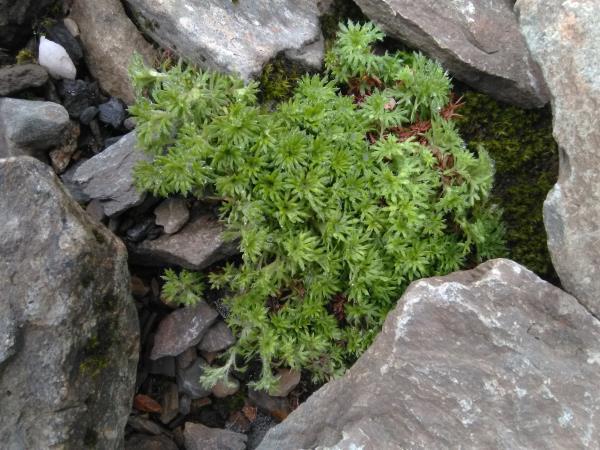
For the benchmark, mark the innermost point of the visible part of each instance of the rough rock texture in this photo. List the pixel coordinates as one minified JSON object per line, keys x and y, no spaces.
{"x":24,"y":76}
{"x":198,"y":245}
{"x":564,"y":38}
{"x":188,"y":380}
{"x":218,"y":338}
{"x":488,"y":358}
{"x":110,"y":40}
{"x":181,"y":329}
{"x":16,"y":18}
{"x":145,"y":442}
{"x":200,"y":437}
{"x":477,"y":40}
{"x":108,"y":176}
{"x":231,"y":36}
{"x":30,"y":127}
{"x":172,"y":214}
{"x":68,"y":326}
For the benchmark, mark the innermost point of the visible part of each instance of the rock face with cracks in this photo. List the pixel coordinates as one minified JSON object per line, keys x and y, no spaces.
{"x":488,"y":358}
{"x":229,"y":36}
{"x":477,"y":40}
{"x":68,"y":326}
{"x":564,"y":38}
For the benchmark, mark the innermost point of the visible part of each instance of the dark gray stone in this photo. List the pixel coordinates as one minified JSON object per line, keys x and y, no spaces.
{"x":564,"y":38}
{"x":139,"y":231}
{"x":196,"y":246}
{"x":169,"y":403}
{"x":143,"y":425}
{"x":200,"y":437}
{"x":69,"y":338}
{"x":17,"y":78}
{"x":112,"y":112}
{"x":219,"y":337}
{"x":278,"y":407}
{"x":477,"y":40}
{"x":108,"y":176}
{"x":209,"y":32}
{"x":181,"y":329}
{"x":30,"y":127}
{"x":60,"y":34}
{"x":77,"y":96}
{"x":16,"y":18}
{"x":110,"y":39}
{"x":488,"y":358}
{"x":88,"y":114}
{"x":188,"y":380}
{"x":145,"y":442}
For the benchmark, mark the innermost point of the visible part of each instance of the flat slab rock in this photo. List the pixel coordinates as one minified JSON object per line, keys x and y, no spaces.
{"x":69,"y":335}
{"x":478,"y":41}
{"x":230,"y":36}
{"x":199,"y":437}
{"x":488,"y":358}
{"x":564,"y":38}
{"x":108,"y":176}
{"x":196,"y":246}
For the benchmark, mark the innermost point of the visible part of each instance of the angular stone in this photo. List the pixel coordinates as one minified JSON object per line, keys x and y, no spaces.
{"x":110,"y":39}
{"x":172,"y":214}
{"x":69,"y":337}
{"x":145,"y":442}
{"x":219,"y":337}
{"x":108,"y":176}
{"x":477,"y":41}
{"x":200,"y":437}
{"x":278,"y":407}
{"x":564,"y":38}
{"x":181,"y":329}
{"x":143,"y":425}
{"x":30,"y":127}
{"x":78,"y":96}
{"x":188,"y":380}
{"x":226,"y":388}
{"x":478,"y":359}
{"x":14,"y":79}
{"x":61,"y":156}
{"x":228,"y":36}
{"x":288,"y":380}
{"x":196,"y":246}
{"x":112,"y":112}
{"x":170,"y":403}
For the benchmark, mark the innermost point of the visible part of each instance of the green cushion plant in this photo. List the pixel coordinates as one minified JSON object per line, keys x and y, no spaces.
{"x":340,"y":197}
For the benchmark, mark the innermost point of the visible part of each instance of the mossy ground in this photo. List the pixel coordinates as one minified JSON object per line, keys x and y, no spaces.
{"x":526,"y":156}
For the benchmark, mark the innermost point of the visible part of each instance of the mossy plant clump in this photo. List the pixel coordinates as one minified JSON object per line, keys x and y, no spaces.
{"x":526,"y":156}
{"x":340,"y":197}
{"x":278,"y":80}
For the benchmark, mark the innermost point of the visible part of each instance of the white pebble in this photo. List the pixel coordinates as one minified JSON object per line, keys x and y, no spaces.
{"x":56,"y":60}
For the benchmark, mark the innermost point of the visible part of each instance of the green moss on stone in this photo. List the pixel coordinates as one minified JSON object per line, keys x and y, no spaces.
{"x":278,"y":80}
{"x":526,"y":155}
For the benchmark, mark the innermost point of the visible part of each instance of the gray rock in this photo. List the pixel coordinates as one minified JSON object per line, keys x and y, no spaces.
{"x":219,"y":337}
{"x":181,"y":329}
{"x":145,"y":442}
{"x":112,"y":112}
{"x":228,"y":36}
{"x":488,"y":358}
{"x":30,"y":127}
{"x":170,"y":403}
{"x":144,"y":425}
{"x":478,"y":41}
{"x":108,"y":176}
{"x":278,"y":407}
{"x":200,"y":437}
{"x":172,"y":214}
{"x":198,"y":245}
{"x":225,"y":388}
{"x":88,"y":114}
{"x":163,"y":366}
{"x":564,"y":38}
{"x":14,"y":79}
{"x":188,"y":380}
{"x":69,"y":338}
{"x":110,"y":39}
{"x":61,"y":156}
{"x":288,"y":380}
{"x":16,"y":18}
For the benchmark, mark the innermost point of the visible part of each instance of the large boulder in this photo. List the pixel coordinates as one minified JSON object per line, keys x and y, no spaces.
{"x":110,"y":39}
{"x":16,"y":18}
{"x":108,"y":176}
{"x":477,"y":40}
{"x":233,"y":36}
{"x":565,"y":40}
{"x":68,"y":326}
{"x":31,"y":128}
{"x":488,"y":358}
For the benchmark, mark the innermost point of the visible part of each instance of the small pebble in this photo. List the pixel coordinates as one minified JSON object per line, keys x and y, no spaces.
{"x":129,"y":123}
{"x":72,"y":26}
{"x":88,"y":115}
{"x":112,"y":112}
